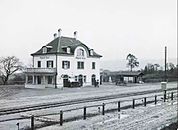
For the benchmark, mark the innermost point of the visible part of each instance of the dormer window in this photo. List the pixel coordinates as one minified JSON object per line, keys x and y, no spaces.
{"x":91,"y":52}
{"x":68,"y":50}
{"x":80,"y":52}
{"x":44,"y":49}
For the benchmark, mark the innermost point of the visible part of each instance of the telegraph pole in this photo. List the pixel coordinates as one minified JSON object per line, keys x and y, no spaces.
{"x":165,"y":69}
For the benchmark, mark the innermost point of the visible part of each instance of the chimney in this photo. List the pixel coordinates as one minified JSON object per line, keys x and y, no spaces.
{"x":75,"y":35}
{"x":55,"y":36}
{"x":59,"y":32}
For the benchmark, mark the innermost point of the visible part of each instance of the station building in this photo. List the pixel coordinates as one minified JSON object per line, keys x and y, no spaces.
{"x":62,"y":61}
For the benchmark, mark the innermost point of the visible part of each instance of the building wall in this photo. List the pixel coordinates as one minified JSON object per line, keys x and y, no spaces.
{"x":44,"y":59}
{"x":72,"y":71}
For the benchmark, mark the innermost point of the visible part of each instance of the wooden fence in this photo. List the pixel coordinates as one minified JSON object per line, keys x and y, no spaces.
{"x":163,"y":98}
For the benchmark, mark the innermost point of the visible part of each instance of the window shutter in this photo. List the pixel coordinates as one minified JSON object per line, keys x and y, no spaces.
{"x":68,"y":64}
{"x":52,"y":64}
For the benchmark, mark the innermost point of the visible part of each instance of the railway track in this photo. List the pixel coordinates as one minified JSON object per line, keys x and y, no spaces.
{"x":75,"y":101}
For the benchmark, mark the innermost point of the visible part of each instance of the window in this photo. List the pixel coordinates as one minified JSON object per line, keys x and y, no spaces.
{"x":44,"y":49}
{"x":80,"y":52}
{"x":65,"y":64}
{"x":84,"y":78}
{"x":30,"y":79}
{"x":49,"y":64}
{"x":38,"y":79}
{"x":68,"y":50}
{"x":91,"y":52}
{"x":76,"y":78}
{"x":93,"y":65}
{"x":39,"y":64}
{"x":50,"y":79}
{"x":80,"y":65}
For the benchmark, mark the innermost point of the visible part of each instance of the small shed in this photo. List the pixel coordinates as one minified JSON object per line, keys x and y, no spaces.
{"x":126,"y":76}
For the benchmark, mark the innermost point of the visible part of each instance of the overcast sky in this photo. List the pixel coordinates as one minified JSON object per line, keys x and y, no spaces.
{"x":113,"y":28}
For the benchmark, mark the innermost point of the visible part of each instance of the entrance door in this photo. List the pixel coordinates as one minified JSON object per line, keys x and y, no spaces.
{"x":80,"y":80}
{"x":93,"y":79}
{"x":66,"y":81}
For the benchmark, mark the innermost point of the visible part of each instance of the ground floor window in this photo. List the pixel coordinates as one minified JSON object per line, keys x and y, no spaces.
{"x":81,"y":78}
{"x":30,"y":79}
{"x":76,"y":78}
{"x":38,"y":79}
{"x":50,"y":79}
{"x":84,"y":78}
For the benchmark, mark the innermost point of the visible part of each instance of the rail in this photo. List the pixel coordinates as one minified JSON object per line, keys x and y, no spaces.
{"x":40,"y":70}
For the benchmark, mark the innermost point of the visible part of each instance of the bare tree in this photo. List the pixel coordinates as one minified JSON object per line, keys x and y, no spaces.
{"x":171,"y":67}
{"x":156,"y":66}
{"x":8,"y":66}
{"x":132,"y":61}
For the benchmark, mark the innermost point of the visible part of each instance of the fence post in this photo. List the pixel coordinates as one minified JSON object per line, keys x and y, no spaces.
{"x":144,"y":101}
{"x":84,"y":112}
{"x":61,"y":118}
{"x":133,"y":104}
{"x":155,"y":99}
{"x":17,"y":125}
{"x":103,"y":109}
{"x":32,"y":123}
{"x":165,"y":91}
{"x":119,"y":106}
{"x":172,"y":95}
{"x":164,"y":97}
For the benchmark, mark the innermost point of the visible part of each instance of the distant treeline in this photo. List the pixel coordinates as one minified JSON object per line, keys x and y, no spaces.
{"x":156,"y":73}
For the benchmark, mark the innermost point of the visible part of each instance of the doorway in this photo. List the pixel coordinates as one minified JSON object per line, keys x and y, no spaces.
{"x":93,"y":79}
{"x":80,"y":80}
{"x":66,"y":81}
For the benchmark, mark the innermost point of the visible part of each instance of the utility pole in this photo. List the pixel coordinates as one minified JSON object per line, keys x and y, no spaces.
{"x":165,"y":72}
{"x":165,"y":69}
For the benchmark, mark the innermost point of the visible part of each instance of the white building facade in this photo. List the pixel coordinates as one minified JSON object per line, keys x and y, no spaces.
{"x":64,"y":62}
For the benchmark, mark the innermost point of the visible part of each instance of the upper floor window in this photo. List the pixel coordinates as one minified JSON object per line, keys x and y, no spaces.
{"x":49,"y":64}
{"x":80,"y":52}
{"x":44,"y":49}
{"x":93,"y":65}
{"x":80,"y":65}
{"x":65,"y":64}
{"x":39,"y":64}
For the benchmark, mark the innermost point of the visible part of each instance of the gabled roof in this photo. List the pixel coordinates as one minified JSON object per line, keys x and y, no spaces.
{"x":72,"y":43}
